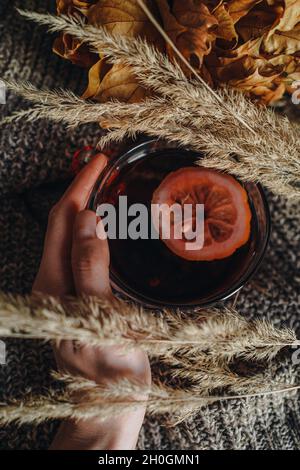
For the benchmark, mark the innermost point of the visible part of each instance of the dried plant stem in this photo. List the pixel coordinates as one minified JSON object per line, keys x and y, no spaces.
{"x":180,"y":126}
{"x":153,"y":68}
{"x":84,"y":399}
{"x":61,"y":105}
{"x":193,"y":118}
{"x":146,"y":60}
{"x":277,"y":169}
{"x":65,"y":106}
{"x":125,"y":388}
{"x":208,"y":376}
{"x":92,"y":321}
{"x":156,"y":71}
{"x":96,"y":322}
{"x":217,"y":97}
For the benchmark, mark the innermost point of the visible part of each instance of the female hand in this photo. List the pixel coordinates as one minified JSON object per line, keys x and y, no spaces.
{"x":75,"y":261}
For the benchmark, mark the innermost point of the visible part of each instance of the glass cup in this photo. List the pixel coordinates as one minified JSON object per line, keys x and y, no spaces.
{"x":145,"y":270}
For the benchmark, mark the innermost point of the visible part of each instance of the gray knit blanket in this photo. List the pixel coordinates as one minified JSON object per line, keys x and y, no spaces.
{"x":34,"y":171}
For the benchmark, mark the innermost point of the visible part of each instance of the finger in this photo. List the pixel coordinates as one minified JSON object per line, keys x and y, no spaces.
{"x":56,"y":260}
{"x":74,"y":200}
{"x":80,"y":189}
{"x":90,"y":257}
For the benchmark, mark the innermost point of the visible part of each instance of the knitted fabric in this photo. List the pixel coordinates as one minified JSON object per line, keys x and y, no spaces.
{"x":34,"y":171}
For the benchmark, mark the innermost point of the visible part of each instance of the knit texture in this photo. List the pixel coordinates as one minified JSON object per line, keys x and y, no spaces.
{"x":34,"y":171}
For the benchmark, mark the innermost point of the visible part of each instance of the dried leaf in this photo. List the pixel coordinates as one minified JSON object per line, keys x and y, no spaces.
{"x":287,"y":42}
{"x":67,"y":46}
{"x":247,"y":70}
{"x":117,"y":81}
{"x":258,"y":21}
{"x":225,"y":28}
{"x":252,"y":45}
{"x":236,"y":64}
{"x":290,"y":16}
{"x":126,"y":18}
{"x":70,"y":48}
{"x":284,"y":36}
{"x":123,"y":17}
{"x":69,"y":7}
{"x":190,"y":25}
{"x":239,"y":8}
{"x":261,"y":87}
{"x":292,"y":71}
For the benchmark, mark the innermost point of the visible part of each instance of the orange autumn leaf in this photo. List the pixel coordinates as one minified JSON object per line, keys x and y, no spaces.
{"x":284,"y":36}
{"x":225,"y":28}
{"x":265,"y":88}
{"x":67,"y":46}
{"x":126,"y":18}
{"x":107,"y":81}
{"x":71,"y":6}
{"x":287,"y":42}
{"x":239,"y":8}
{"x":258,"y":21}
{"x":71,"y":48}
{"x":251,"y":45}
{"x":190,"y":25}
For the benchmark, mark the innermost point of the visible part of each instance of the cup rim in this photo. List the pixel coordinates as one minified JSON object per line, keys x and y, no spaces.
{"x":130,"y":293}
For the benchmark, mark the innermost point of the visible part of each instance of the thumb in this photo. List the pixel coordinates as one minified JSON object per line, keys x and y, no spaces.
{"x":90,"y":257}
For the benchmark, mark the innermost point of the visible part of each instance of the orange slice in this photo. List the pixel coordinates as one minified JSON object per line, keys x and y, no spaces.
{"x":227,"y":215}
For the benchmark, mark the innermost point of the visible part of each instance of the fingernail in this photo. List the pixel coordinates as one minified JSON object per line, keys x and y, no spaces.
{"x":98,"y":157}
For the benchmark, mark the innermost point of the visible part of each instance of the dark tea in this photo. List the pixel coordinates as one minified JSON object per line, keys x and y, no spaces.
{"x":154,"y":271}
